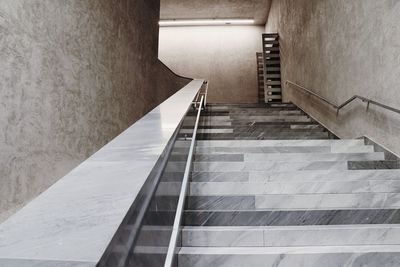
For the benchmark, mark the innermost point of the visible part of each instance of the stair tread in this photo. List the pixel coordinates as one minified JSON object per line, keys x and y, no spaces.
{"x":290,"y":250}
{"x":298,"y":196}
{"x":285,"y":236}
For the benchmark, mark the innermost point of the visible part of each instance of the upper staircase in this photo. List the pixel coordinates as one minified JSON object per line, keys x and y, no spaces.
{"x":272,"y":187}
{"x":272,"y":68}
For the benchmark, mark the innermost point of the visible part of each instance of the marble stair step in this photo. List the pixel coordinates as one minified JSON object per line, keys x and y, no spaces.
{"x":207,"y":131}
{"x":208,"y":118}
{"x":274,"y":188}
{"x":275,"y":129}
{"x":306,"y":127}
{"x":206,"y":113}
{"x":264,"y":136}
{"x":222,"y":137}
{"x":291,"y":236}
{"x":269,"y":117}
{"x":288,"y":157}
{"x":272,"y":119}
{"x":220,"y":176}
{"x":263,"y":111}
{"x":292,"y":177}
{"x":277,"y":166}
{"x":291,"y":217}
{"x":295,"y":202}
{"x":260,"y":149}
{"x":374,"y":165}
{"x":251,"y":109}
{"x":315,"y":176}
{"x":278,"y":127}
{"x":327,"y":256}
{"x":215,"y":124}
{"x":312,"y":157}
{"x":266,"y":115}
{"x":253,"y":105}
{"x":282,"y":132}
{"x":335,"y":144}
{"x":282,"y":149}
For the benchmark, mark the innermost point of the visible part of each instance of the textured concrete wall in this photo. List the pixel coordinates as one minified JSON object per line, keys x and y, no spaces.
{"x":73,"y":75}
{"x":216,"y":9}
{"x":226,"y":56}
{"x":340,"y":48}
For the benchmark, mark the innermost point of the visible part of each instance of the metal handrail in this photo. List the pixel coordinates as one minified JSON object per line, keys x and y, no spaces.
{"x":206,"y":93}
{"x":200,"y":94}
{"x":347,"y":102}
{"x":182,"y":196}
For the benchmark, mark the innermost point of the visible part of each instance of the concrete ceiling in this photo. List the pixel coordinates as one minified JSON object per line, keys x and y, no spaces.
{"x":216,"y":9}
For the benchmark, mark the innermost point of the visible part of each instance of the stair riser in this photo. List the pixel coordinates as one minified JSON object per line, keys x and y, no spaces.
{"x":290,"y":236}
{"x":298,"y":157}
{"x":292,"y":218}
{"x":296,"y":202}
{"x":321,"y":176}
{"x":282,"y":143}
{"x":240,"y":188}
{"x":289,"y":260}
{"x":274,"y":150}
{"x":322,"y":136}
{"x":267,"y":166}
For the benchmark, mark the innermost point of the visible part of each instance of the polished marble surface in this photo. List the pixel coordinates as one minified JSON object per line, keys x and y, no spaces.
{"x":279,"y":188}
{"x":332,"y":256}
{"x":288,"y":202}
{"x":290,"y":217}
{"x":325,"y":175}
{"x":75,"y":219}
{"x":284,"y":236}
{"x":269,"y":166}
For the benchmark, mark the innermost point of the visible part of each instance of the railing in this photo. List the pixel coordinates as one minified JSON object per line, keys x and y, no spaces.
{"x":202,"y":92}
{"x":182,"y":196}
{"x":160,"y":212}
{"x":350,"y":100}
{"x":123,"y":211}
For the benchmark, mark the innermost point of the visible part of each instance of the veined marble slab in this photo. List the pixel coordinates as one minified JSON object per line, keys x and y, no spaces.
{"x":321,"y":175}
{"x":334,"y":144}
{"x":264,"y":112}
{"x":275,"y":166}
{"x":314,"y":157}
{"x":287,"y":236}
{"x":273,"y":118}
{"x":220,"y":176}
{"x":328,"y":256}
{"x":352,"y":149}
{"x":264,"y":150}
{"x":287,"y":217}
{"x":308,"y":127}
{"x":206,"y":131}
{"x":222,"y":237}
{"x":75,"y":219}
{"x":271,"y":188}
{"x":209,"y":123}
{"x":219,"y":158}
{"x":328,"y":201}
{"x":208,"y":118}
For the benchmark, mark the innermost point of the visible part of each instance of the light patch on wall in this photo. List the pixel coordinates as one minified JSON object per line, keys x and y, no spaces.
{"x":205,"y":22}
{"x":223,"y":55}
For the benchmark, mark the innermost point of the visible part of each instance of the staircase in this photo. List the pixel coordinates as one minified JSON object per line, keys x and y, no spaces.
{"x":272,"y":68}
{"x":260,"y":77}
{"x":272,"y":187}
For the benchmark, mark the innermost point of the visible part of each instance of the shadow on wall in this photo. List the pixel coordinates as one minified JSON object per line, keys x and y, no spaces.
{"x":223,"y":55}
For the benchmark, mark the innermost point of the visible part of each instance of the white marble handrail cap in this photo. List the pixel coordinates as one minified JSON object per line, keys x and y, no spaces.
{"x":72,"y":223}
